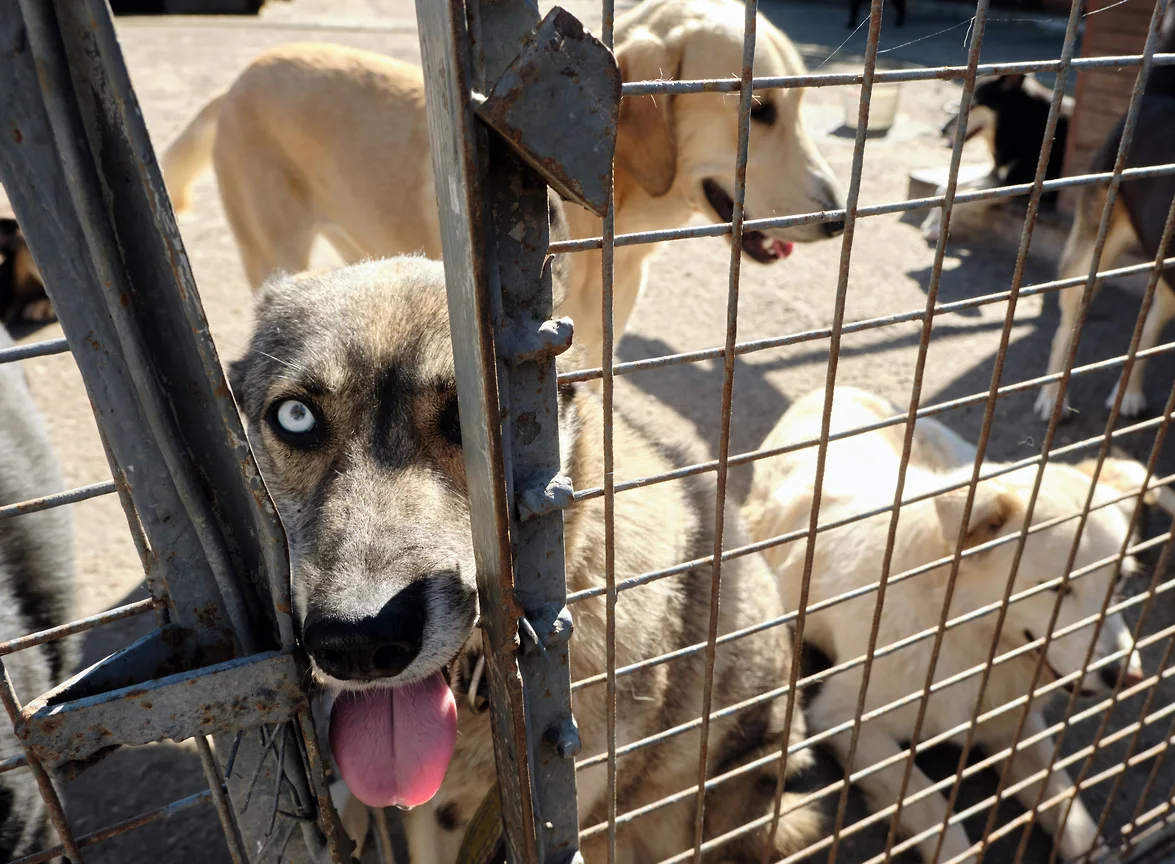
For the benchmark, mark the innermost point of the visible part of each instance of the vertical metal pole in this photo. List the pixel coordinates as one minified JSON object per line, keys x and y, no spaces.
{"x":494,"y":233}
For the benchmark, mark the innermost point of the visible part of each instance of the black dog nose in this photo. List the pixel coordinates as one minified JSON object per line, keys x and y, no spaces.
{"x":367,"y":648}
{"x":1109,"y":675}
{"x":834,"y":229}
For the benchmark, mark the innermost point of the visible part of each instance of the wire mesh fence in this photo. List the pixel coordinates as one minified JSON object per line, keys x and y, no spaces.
{"x":259,"y":750}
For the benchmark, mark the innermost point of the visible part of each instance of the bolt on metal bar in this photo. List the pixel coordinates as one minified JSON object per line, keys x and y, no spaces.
{"x":57,"y":499}
{"x":81,"y":625}
{"x":46,"y":348}
{"x":750,"y":21}
{"x":607,"y":273}
{"x":118,"y":828}
{"x":979,"y":23}
{"x":846,"y":250}
{"x":719,"y":229}
{"x":44,"y":781}
{"x":931,"y":73}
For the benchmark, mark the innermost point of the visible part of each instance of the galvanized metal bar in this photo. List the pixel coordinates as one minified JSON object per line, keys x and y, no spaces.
{"x":750,"y":20}
{"x":495,"y":275}
{"x":81,"y":625}
{"x":938,"y":686}
{"x":118,"y":828}
{"x":889,"y":76}
{"x":263,"y":688}
{"x":781,"y":539}
{"x":57,"y":499}
{"x":44,"y":782}
{"x":607,"y":274}
{"x":47,"y":348}
{"x":719,"y":229}
{"x":979,"y":24}
{"x":232,"y":832}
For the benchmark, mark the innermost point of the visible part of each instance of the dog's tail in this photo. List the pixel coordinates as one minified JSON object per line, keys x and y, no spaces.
{"x":189,"y":154}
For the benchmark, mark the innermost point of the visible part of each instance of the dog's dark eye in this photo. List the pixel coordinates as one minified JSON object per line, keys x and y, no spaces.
{"x":296,"y":423}
{"x":763,"y":111}
{"x":1056,"y":589}
{"x":451,"y":423}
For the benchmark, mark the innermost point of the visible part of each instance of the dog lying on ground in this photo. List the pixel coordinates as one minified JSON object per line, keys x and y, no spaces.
{"x":319,"y":139}
{"x":349,"y":396}
{"x":1011,"y":112}
{"x":861,"y":475}
{"x":1137,"y":217}
{"x":22,"y":293}
{"x":36,"y":592}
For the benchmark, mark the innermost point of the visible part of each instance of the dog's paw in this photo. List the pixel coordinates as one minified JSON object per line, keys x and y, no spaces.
{"x":1046,"y":399}
{"x":1133,"y":403}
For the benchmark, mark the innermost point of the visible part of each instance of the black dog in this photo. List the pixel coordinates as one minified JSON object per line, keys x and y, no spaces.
{"x":36,"y":592}
{"x":22,"y":293}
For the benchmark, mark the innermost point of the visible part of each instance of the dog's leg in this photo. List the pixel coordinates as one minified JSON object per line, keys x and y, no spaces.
{"x":882,"y":789}
{"x":1161,"y":311}
{"x":1076,"y":260}
{"x":1079,"y":831}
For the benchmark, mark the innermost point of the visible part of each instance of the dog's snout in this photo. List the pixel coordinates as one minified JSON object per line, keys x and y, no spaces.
{"x":834,"y":229}
{"x":368,"y":647}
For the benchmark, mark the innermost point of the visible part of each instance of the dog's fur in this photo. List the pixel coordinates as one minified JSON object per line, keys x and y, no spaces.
{"x":319,"y":139}
{"x":22,"y":292}
{"x":861,"y":475}
{"x":378,"y":508}
{"x":36,"y":592}
{"x":1011,"y":112}
{"x":1137,"y":217}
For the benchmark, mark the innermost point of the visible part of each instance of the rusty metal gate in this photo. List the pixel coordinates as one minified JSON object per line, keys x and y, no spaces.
{"x":515,"y":103}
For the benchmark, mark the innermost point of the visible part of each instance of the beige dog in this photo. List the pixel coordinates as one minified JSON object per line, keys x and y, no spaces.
{"x":860,"y":476}
{"x":358,"y":436}
{"x":319,"y":139}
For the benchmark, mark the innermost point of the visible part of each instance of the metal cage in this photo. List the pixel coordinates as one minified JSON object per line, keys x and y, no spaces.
{"x":79,"y":167}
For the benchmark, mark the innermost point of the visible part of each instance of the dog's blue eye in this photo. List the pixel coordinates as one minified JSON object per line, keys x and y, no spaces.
{"x":295,"y":423}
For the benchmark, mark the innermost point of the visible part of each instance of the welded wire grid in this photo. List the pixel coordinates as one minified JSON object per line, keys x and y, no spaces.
{"x":1143,"y":765}
{"x":70,"y":843}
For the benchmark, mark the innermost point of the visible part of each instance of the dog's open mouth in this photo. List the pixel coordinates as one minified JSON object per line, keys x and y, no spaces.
{"x":393,"y":744}
{"x":756,"y":244}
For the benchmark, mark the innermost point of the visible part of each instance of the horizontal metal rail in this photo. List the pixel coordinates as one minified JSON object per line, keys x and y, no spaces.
{"x":81,"y":625}
{"x":57,"y":499}
{"x":783,"y":539}
{"x":47,"y":348}
{"x":719,"y":229}
{"x":932,"y":73}
{"x":755,"y":345}
{"x":149,"y":818}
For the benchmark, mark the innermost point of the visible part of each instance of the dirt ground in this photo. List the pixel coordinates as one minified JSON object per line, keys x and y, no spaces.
{"x":177,"y":64}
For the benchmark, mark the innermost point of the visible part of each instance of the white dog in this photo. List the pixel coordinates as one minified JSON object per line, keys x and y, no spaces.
{"x":861,"y":475}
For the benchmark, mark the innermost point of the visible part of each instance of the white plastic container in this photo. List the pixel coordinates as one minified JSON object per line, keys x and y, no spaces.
{"x":883,"y":107}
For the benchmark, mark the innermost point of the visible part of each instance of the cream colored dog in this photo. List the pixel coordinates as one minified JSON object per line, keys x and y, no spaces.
{"x":319,"y":139}
{"x":861,"y":475}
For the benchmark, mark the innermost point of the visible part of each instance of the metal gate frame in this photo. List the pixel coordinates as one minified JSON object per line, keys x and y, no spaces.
{"x":79,"y":168}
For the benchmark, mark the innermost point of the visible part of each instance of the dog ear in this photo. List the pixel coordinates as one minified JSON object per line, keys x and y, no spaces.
{"x":1012,"y":82}
{"x":990,"y":511}
{"x":1126,"y":476}
{"x":646,"y":141}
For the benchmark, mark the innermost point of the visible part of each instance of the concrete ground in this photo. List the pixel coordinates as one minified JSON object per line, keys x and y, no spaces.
{"x":176,"y":64}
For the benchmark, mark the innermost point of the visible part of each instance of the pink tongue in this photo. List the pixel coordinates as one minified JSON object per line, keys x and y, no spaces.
{"x":393,"y":745}
{"x":782,"y":247}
